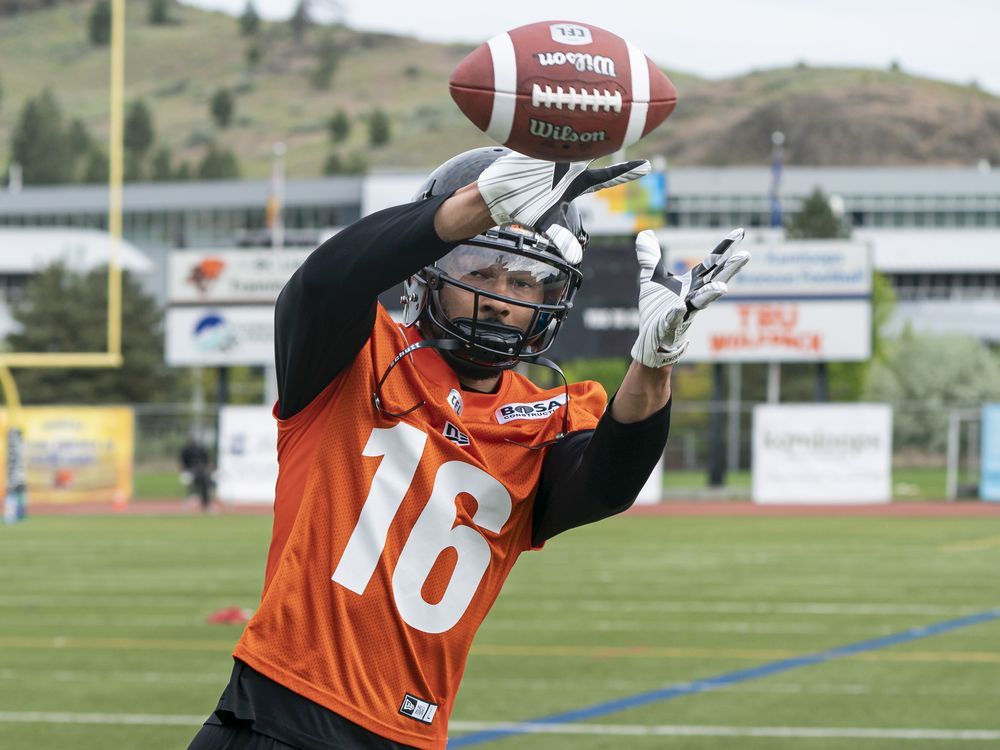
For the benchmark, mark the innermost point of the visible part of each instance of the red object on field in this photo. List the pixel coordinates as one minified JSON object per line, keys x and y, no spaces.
{"x":562,"y":91}
{"x":230,"y":616}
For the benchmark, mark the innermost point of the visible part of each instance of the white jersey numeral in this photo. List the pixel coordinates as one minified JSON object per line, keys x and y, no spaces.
{"x":433,"y":532}
{"x":400,"y":447}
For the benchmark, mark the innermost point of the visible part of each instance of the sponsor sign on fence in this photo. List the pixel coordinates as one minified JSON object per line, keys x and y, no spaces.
{"x":989,"y":481}
{"x":248,"y":458}
{"x":75,"y":454}
{"x":822,"y":453}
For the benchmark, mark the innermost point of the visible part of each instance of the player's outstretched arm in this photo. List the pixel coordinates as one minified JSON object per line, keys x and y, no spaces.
{"x":588,"y":476}
{"x":667,"y":305}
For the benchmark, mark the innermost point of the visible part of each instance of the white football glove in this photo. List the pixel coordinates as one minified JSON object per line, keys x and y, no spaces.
{"x":667,"y":303}
{"x":523,"y":190}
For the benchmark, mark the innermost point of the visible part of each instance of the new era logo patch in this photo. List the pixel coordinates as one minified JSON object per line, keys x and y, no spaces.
{"x":420,"y":710}
{"x":455,"y":435}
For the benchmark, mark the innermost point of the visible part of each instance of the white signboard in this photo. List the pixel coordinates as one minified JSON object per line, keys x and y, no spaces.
{"x":652,"y":491}
{"x":214,"y":336}
{"x":830,"y":454}
{"x":230,"y":276}
{"x":781,"y":332}
{"x":248,"y":458}
{"x":800,"y":269}
{"x":796,"y":301}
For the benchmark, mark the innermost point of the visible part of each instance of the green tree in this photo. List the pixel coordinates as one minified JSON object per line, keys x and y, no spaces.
{"x":253,"y":55}
{"x":161,"y":167}
{"x":339,"y":126}
{"x":95,"y":166}
{"x":221,"y":107}
{"x":816,"y":220}
{"x":354,"y":164}
{"x":39,"y":143}
{"x":923,"y":375}
{"x":328,"y":58}
{"x":159,"y":12}
{"x":379,"y":130}
{"x":218,"y":164}
{"x":99,"y":23}
{"x":249,"y":21}
{"x":139,"y":133}
{"x":64,"y":311}
{"x":79,"y":142}
{"x":300,"y":20}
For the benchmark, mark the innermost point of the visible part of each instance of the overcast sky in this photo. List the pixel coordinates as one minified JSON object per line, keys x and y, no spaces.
{"x":954,"y":40}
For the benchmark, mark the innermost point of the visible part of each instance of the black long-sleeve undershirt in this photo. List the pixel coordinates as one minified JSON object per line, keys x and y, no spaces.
{"x":326,"y":312}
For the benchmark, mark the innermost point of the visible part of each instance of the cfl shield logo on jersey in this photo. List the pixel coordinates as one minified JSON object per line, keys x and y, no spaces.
{"x":455,"y":400}
{"x":455,"y":435}
{"x":537,"y":410}
{"x":418,"y":709}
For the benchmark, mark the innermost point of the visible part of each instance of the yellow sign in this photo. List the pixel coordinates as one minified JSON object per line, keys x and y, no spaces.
{"x":75,"y":454}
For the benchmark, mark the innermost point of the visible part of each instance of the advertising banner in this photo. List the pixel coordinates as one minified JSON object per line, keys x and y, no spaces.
{"x":248,"y":459}
{"x":831,"y":454}
{"x":782,"y":332}
{"x":989,"y":480}
{"x":76,"y":454}
{"x":230,"y":276}
{"x":796,"y":301}
{"x":219,"y":336}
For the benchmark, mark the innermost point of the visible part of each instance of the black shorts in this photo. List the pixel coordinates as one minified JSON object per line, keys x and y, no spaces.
{"x":257,"y":713}
{"x":239,"y":735}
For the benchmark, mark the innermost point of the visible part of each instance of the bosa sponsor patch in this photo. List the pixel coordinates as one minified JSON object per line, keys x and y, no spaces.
{"x":537,"y":410}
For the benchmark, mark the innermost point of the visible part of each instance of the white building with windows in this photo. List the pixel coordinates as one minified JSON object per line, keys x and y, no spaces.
{"x":24,"y":252}
{"x":935,"y":231}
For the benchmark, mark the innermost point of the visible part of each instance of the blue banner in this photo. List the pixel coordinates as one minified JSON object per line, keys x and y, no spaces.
{"x":989,"y":477}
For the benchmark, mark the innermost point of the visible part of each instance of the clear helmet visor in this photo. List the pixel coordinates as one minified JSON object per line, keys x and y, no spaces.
{"x":498,"y":273}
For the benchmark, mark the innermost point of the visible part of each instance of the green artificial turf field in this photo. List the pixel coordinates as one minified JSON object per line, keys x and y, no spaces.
{"x":103,"y":641}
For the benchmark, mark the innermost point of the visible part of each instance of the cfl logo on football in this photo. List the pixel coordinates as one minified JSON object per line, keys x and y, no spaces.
{"x":570,"y":33}
{"x":536,"y":410}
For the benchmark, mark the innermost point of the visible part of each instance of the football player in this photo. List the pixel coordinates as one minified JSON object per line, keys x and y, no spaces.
{"x":415,"y":464}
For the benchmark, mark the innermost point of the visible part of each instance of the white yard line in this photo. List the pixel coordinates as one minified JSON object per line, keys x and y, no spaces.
{"x":674,"y":730}
{"x":51,"y":717}
{"x":633,"y":730}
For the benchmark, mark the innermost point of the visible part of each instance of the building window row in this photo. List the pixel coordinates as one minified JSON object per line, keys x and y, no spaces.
{"x":945,"y":286}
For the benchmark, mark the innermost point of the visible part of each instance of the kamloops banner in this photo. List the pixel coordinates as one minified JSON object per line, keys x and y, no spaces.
{"x":248,"y":462}
{"x":75,"y":454}
{"x":830,"y":454}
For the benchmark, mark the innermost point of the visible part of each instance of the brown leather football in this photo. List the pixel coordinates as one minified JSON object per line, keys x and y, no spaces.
{"x":562,"y":91}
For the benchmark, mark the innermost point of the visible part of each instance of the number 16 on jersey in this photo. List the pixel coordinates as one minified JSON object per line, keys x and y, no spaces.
{"x":401,"y":447}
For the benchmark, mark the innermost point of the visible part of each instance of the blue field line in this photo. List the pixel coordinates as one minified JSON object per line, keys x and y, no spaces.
{"x":729,"y":678}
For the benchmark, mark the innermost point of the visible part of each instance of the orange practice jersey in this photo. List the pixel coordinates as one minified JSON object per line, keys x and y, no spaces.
{"x":392,"y":537}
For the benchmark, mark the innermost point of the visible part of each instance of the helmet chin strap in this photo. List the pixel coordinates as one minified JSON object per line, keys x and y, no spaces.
{"x":451,"y":345}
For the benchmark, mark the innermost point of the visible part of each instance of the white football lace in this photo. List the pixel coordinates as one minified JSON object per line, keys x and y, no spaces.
{"x":573,"y":99}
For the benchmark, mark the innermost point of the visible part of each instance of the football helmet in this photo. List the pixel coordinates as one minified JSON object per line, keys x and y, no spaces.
{"x":508,"y":265}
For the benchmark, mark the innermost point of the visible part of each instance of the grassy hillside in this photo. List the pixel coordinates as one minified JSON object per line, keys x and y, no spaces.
{"x":831,"y":116}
